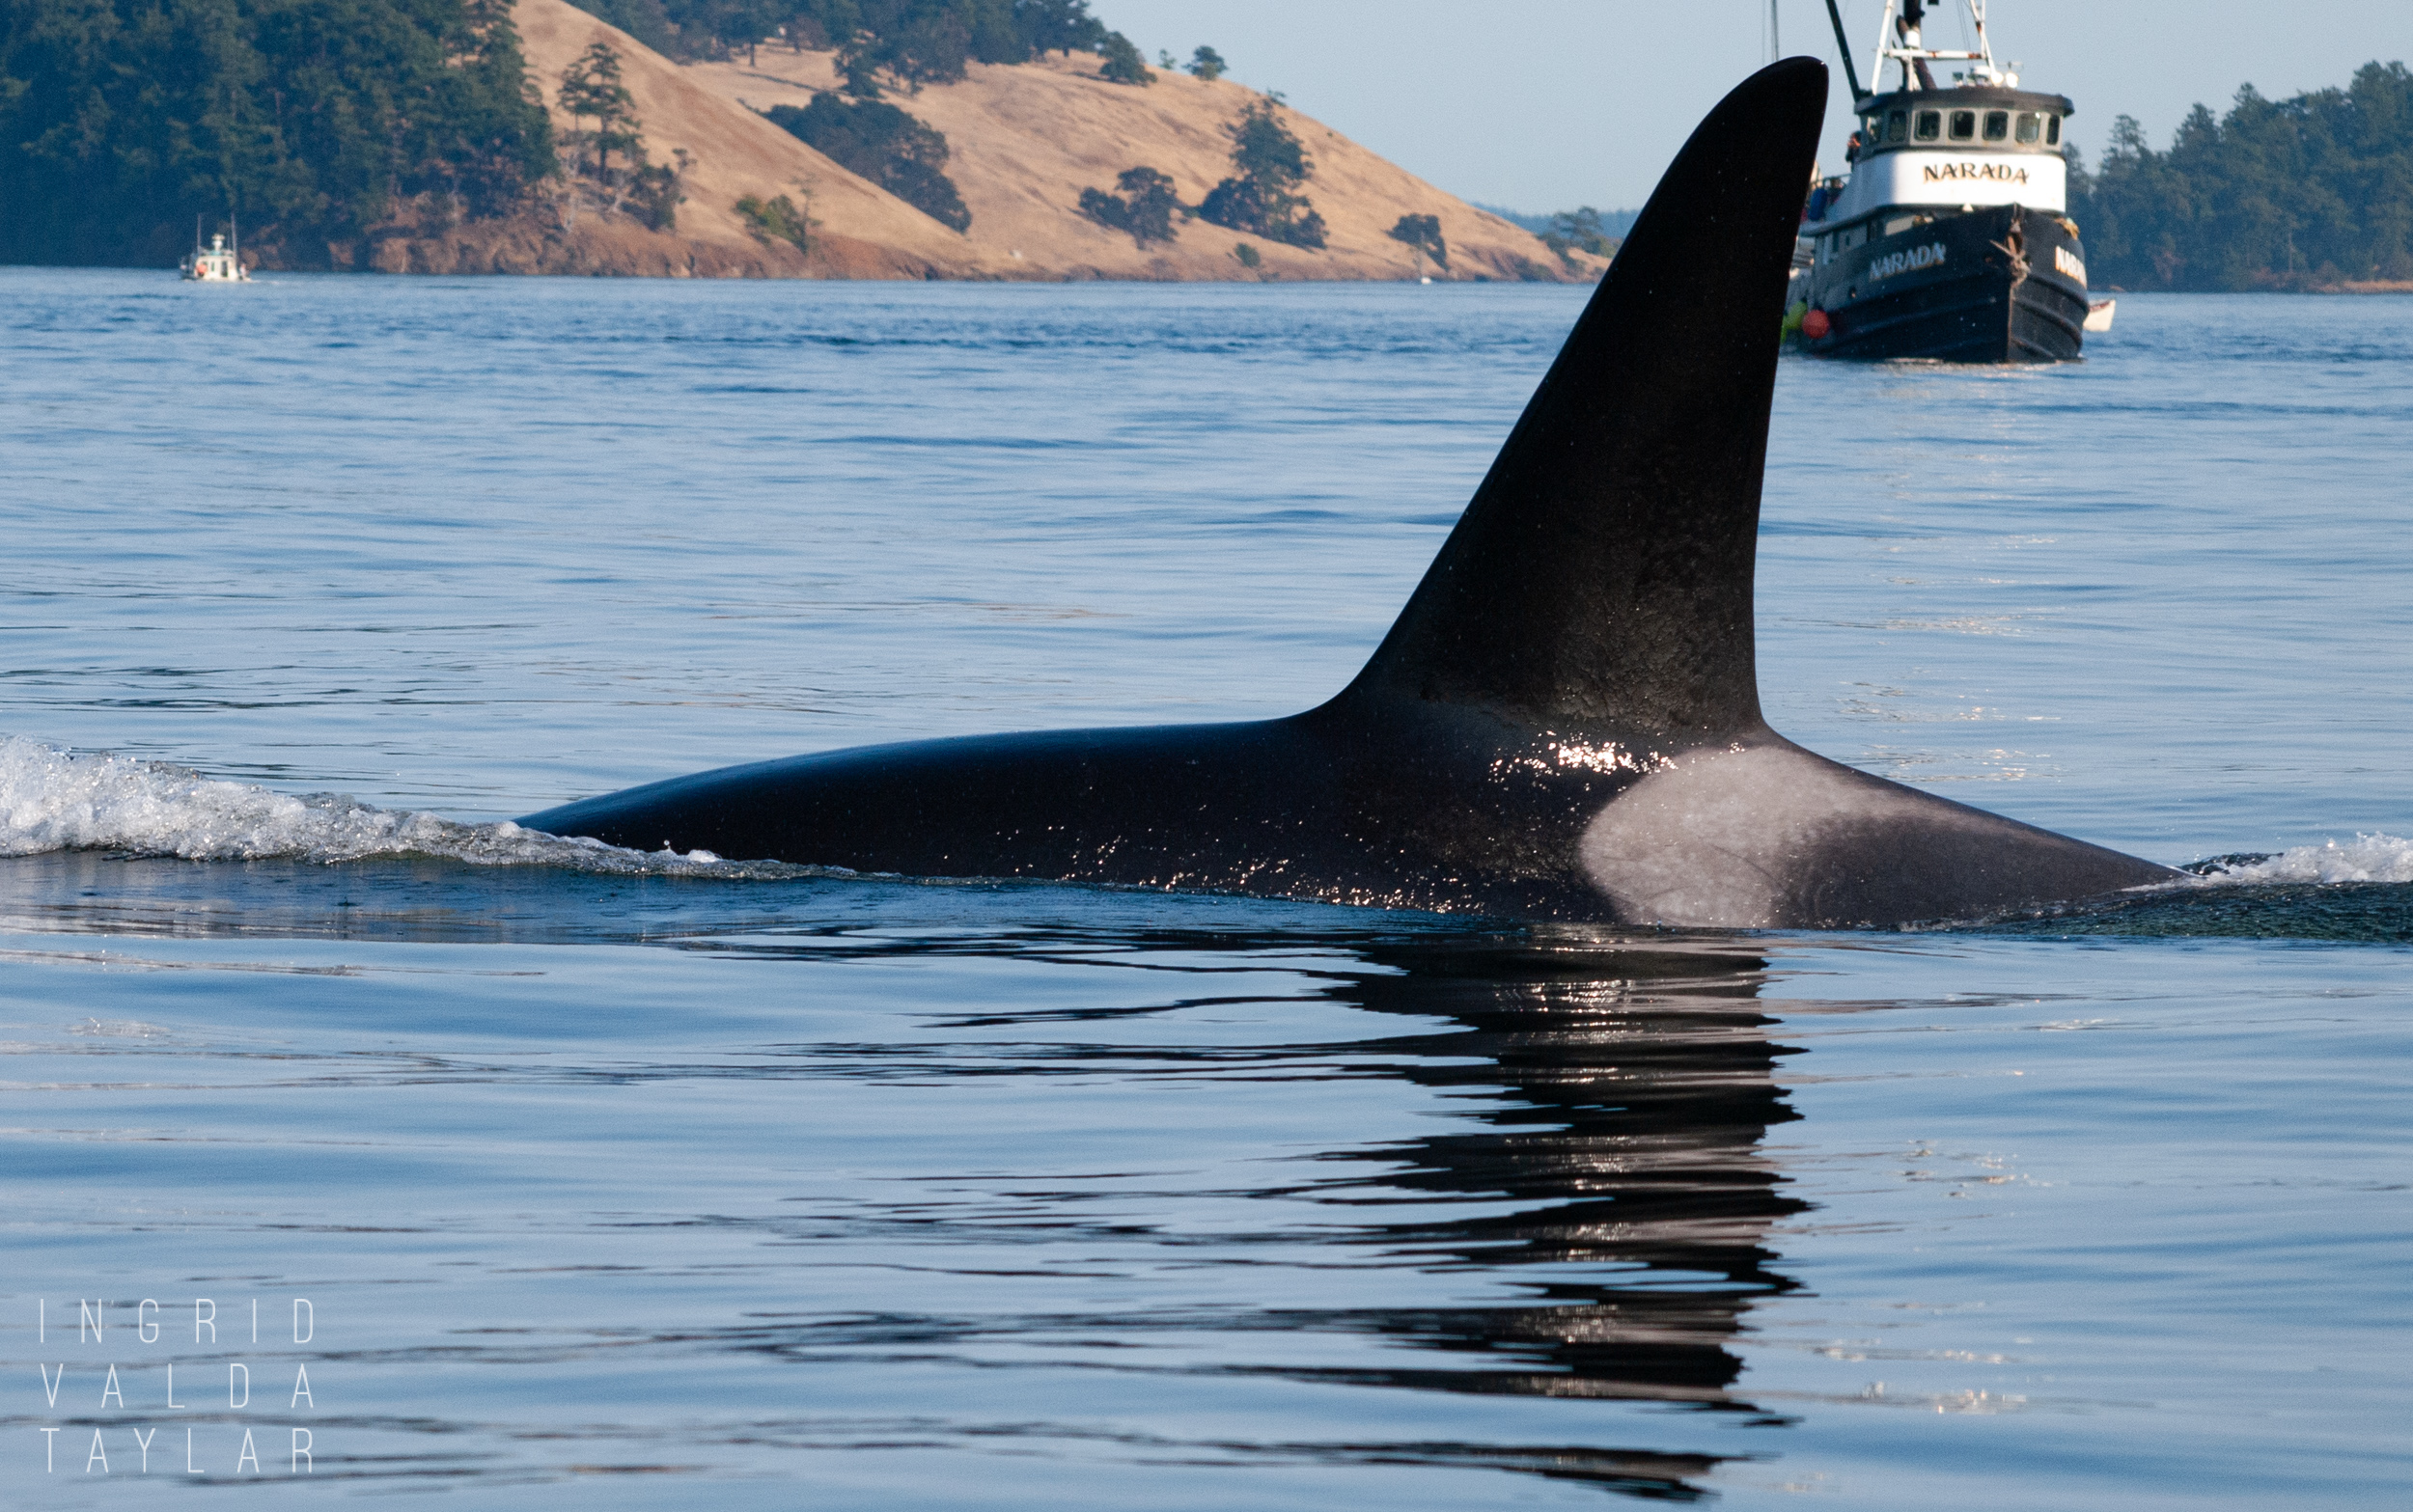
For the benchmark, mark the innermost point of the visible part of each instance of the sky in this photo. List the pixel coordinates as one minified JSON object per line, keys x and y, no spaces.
{"x":1544,"y":105}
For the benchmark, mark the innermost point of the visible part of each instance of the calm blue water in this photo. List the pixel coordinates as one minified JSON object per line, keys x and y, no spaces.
{"x":613,"y":1180}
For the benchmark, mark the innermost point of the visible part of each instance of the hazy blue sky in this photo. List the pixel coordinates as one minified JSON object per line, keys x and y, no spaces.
{"x":1547,"y":104}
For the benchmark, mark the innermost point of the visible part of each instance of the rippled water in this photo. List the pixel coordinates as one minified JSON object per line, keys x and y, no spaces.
{"x":614,"y":1179}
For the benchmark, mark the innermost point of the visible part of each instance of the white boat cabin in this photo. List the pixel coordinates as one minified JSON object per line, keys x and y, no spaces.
{"x":1923,"y":150}
{"x":1953,"y":148}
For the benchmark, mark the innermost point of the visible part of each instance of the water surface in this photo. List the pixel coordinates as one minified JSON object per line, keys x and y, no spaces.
{"x":625,"y":1180}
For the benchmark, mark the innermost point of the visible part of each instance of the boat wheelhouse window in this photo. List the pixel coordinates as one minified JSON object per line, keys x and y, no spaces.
{"x":1964,"y":124}
{"x":1930,"y":125}
{"x":1997,"y":125}
{"x":2052,"y":130}
{"x":2030,"y":124}
{"x":1894,"y":122}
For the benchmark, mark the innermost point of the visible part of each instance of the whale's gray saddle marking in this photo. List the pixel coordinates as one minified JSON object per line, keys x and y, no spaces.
{"x":1565,"y":722}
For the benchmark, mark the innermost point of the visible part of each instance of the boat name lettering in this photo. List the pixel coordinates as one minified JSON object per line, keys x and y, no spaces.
{"x":2003,"y":173}
{"x":2067,"y":261}
{"x":1893,"y":263}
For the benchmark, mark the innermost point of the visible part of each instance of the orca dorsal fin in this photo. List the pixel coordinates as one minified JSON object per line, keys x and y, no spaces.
{"x":1602,"y":572}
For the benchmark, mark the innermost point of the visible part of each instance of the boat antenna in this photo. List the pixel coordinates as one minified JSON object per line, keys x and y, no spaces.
{"x":1851,"y":75}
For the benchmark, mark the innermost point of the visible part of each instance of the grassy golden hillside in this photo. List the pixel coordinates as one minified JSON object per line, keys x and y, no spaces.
{"x":1025,"y":139}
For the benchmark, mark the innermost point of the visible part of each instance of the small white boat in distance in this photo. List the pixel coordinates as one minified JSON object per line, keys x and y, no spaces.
{"x":216,"y":263}
{"x":2099,"y":315}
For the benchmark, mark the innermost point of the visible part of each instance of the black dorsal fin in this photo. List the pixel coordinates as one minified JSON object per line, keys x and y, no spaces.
{"x":1602,"y":572}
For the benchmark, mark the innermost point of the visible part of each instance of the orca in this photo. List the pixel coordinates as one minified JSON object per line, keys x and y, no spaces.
{"x":1565,"y":722}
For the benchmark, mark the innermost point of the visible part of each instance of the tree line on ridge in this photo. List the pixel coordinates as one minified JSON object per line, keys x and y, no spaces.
{"x":120,"y":121}
{"x":317,"y":120}
{"x":914,"y":42}
{"x":2308,"y":192}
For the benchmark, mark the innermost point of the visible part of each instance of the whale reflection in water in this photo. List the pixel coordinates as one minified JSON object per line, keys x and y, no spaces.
{"x":1618,"y":1098}
{"x":1581,"y":1209}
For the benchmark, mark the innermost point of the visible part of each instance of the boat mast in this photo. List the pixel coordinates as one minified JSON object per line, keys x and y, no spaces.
{"x":1900,"y":40}
{"x":1986,"y":72}
{"x":1909,"y":47}
{"x":1851,"y":75}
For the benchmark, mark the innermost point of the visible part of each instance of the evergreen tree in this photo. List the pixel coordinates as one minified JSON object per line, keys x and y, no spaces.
{"x":912,"y":42}
{"x":1266,"y":149}
{"x":875,"y":140}
{"x":1063,"y":26}
{"x":591,"y":90}
{"x":1578,"y":231}
{"x":1144,"y":209}
{"x":1423,"y":233}
{"x":646,"y":20}
{"x":1123,"y":63}
{"x":1269,"y":162}
{"x":1206,"y":64}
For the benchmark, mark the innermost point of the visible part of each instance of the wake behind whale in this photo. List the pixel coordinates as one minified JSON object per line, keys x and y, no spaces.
{"x":1564,"y":722}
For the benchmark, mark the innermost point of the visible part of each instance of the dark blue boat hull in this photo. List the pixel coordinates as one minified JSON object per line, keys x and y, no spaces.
{"x":1997,"y":284}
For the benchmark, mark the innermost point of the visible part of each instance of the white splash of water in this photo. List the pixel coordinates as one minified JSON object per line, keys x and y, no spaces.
{"x":2366,"y":858}
{"x":53,"y":799}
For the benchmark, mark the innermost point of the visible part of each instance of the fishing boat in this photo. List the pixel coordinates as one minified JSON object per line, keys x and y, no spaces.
{"x":216,"y":263}
{"x":1950,"y":237}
